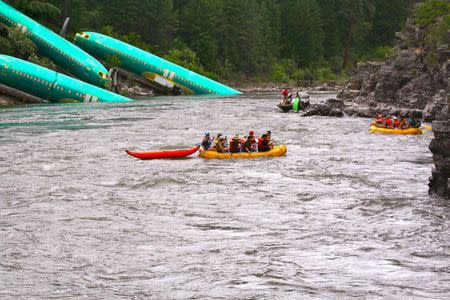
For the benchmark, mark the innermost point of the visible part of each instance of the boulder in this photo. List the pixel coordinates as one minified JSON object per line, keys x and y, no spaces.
{"x":436,"y":108}
{"x":331,"y":108}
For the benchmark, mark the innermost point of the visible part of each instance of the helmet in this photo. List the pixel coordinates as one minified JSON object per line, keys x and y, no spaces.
{"x":206,"y":133}
{"x":251,"y":132}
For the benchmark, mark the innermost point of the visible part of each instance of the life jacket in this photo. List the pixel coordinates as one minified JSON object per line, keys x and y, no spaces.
{"x":206,"y":143}
{"x":235,"y":146}
{"x":295,"y":104}
{"x":263,"y":145}
{"x":247,"y":145}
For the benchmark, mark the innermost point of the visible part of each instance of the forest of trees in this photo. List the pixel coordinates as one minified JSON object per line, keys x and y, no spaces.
{"x":275,"y":40}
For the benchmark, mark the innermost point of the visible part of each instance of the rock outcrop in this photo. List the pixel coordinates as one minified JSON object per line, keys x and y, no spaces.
{"x":440,"y":147}
{"x":331,"y":108}
{"x":415,"y":80}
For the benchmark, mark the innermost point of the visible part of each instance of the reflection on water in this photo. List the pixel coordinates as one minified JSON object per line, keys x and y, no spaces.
{"x":345,"y":214}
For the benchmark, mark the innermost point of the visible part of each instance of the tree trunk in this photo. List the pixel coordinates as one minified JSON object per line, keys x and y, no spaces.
{"x":348,"y":44}
{"x":66,"y":9}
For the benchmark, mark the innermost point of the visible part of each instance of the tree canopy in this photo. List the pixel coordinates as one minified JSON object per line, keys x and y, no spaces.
{"x":254,"y":38}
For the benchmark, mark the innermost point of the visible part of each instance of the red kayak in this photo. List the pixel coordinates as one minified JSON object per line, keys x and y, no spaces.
{"x":163,"y":153}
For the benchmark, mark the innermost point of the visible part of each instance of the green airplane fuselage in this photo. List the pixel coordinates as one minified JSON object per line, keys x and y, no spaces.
{"x":62,"y":52}
{"x":149,"y":66}
{"x":50,"y":85}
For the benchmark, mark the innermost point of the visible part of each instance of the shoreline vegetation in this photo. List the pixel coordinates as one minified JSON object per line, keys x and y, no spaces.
{"x":278,"y":43}
{"x":9,"y":97}
{"x":275,"y":51}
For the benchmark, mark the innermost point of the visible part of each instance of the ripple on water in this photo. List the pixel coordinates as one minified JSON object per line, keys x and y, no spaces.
{"x":344,"y":215}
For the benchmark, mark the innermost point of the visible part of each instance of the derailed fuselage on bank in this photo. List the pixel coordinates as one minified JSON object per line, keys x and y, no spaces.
{"x":152,"y":67}
{"x":62,"y":52}
{"x":50,"y":85}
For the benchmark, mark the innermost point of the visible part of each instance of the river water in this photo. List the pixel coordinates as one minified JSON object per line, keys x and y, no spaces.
{"x":345,"y":214}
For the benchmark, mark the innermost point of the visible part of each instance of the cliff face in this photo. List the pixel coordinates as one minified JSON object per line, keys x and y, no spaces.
{"x":416,"y":79}
{"x":440,"y":147}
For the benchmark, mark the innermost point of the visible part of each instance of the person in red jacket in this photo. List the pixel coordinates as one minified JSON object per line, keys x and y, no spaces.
{"x":285,"y":93}
{"x":263,"y":144}
{"x":389,"y":123}
{"x":235,"y":144}
{"x":396,"y":122}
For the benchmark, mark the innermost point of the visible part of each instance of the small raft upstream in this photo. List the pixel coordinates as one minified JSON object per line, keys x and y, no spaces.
{"x":163,"y":153}
{"x":279,"y":150}
{"x":376,"y":129}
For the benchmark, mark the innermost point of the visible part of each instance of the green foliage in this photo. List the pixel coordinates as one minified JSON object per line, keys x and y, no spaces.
{"x":16,"y":43}
{"x":5,"y":46}
{"x":131,"y":38}
{"x":381,"y":53}
{"x":389,"y":17}
{"x":279,"y":73}
{"x":37,"y":8}
{"x":428,"y":12}
{"x":21,"y":45}
{"x":318,"y":74}
{"x":439,"y":33}
{"x":281,"y":40}
{"x":113,"y":61}
{"x":435,"y":16}
{"x":187,"y":58}
{"x":42,"y":61}
{"x":303,"y":32}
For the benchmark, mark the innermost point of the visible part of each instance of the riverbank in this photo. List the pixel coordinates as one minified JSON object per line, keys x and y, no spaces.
{"x":10,"y":98}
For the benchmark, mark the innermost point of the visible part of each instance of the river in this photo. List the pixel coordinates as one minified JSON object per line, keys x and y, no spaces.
{"x":345,"y":214}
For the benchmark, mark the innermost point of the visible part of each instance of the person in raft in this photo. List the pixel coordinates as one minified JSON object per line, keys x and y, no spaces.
{"x":235,"y":144}
{"x":413,"y":121}
{"x":296,"y":102}
{"x":269,"y":137}
{"x":264,"y":143}
{"x":253,"y":140}
{"x":220,"y":144}
{"x":216,"y":142}
{"x":206,"y":142}
{"x":285,"y":100}
{"x":250,"y":144}
{"x":251,"y":133}
{"x":394,"y":122}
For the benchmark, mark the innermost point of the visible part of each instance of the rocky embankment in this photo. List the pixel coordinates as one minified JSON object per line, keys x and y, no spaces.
{"x":415,"y":80}
{"x":440,"y":147}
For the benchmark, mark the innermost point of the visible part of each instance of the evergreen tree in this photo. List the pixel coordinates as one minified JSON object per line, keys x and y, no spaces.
{"x":303,"y":32}
{"x":357,"y":15}
{"x":158,"y":22}
{"x":240,"y":35}
{"x":201,"y":33}
{"x":252,"y":37}
{"x":270,"y":12}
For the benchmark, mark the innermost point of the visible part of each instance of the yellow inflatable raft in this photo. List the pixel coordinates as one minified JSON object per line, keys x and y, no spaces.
{"x":279,"y":150}
{"x":395,"y":131}
{"x":427,"y":127}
